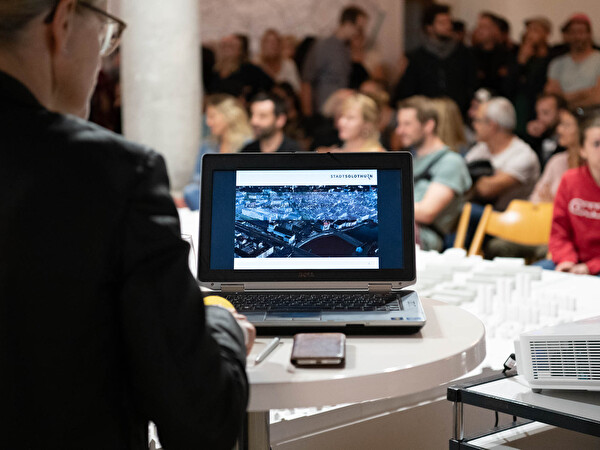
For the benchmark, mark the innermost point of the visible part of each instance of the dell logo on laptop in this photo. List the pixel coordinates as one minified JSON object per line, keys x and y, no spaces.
{"x":306,"y":275}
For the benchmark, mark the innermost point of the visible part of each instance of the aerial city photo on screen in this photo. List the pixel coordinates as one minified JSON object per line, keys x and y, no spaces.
{"x":306,"y":221}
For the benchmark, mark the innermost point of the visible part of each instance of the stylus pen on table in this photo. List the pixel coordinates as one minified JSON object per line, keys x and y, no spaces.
{"x":267,"y":351}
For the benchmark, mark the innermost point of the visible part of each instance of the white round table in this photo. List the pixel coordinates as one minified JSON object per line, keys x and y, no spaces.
{"x":451,"y":344}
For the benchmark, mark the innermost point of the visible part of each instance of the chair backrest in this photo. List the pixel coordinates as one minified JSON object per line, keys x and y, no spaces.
{"x":463,"y":225}
{"x":523,"y":222}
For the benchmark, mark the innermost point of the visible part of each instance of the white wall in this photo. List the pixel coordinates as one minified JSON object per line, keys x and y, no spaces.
{"x":300,"y":18}
{"x":515,"y":11}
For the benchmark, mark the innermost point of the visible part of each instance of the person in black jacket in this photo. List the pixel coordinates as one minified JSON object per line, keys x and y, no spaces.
{"x":102,"y":325}
{"x":441,"y":67}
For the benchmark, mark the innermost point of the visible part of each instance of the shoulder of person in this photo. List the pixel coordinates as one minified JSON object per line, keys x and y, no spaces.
{"x":93,"y":140}
{"x":519,"y":145}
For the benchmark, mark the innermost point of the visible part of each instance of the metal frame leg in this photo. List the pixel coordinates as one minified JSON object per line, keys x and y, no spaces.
{"x":459,"y":424}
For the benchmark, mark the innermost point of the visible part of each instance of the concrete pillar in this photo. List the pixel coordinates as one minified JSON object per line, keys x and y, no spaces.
{"x":160,"y":80}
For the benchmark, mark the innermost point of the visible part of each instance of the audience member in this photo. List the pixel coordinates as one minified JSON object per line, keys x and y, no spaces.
{"x":229,"y":129}
{"x":387,"y":115}
{"x":441,"y":179}
{"x":505,"y":39}
{"x":328,"y":64}
{"x":102,"y":325}
{"x":268,"y":116}
{"x":324,"y":132}
{"x":302,"y":50}
{"x":289,"y":44}
{"x":515,"y":164}
{"x":233,"y":74}
{"x":273,"y":63}
{"x":358,"y":125}
{"x":541,"y":132}
{"x":575,"y":233}
{"x":568,"y":138}
{"x":459,"y":31}
{"x":481,"y":95}
{"x":450,"y":126}
{"x":294,"y":124}
{"x":208,"y":65}
{"x":441,"y":66}
{"x":359,"y":73}
{"x":576,"y":75}
{"x":492,"y":58}
{"x":528,"y":71}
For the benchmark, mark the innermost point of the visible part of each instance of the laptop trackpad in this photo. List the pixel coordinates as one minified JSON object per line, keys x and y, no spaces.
{"x":316,"y":316}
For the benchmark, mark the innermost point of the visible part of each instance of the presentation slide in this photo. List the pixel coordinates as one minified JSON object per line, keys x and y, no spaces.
{"x":306,"y":219}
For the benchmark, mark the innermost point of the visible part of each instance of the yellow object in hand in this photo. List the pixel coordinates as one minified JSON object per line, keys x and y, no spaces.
{"x":215,"y":300}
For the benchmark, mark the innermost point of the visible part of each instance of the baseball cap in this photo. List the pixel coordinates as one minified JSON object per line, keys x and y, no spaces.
{"x":542,"y":21}
{"x":577,"y":18}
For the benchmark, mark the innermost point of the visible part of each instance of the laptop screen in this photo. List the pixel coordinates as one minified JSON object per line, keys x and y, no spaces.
{"x":286,"y":217}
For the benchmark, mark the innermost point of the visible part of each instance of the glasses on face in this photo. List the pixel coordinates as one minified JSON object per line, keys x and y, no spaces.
{"x":110,"y":35}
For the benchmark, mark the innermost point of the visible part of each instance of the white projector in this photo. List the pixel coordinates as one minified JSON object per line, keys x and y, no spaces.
{"x":565,"y":356}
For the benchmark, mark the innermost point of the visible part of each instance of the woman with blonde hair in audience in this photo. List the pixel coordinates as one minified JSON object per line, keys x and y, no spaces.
{"x":450,"y":127}
{"x":358,"y":125}
{"x":272,"y":61}
{"x":387,"y":115}
{"x":230,"y":130}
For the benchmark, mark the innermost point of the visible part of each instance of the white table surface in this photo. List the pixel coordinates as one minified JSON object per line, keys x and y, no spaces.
{"x":451,"y":344}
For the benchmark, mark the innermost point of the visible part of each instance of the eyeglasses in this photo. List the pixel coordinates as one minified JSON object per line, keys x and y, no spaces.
{"x":113,"y":28}
{"x":110,"y":35}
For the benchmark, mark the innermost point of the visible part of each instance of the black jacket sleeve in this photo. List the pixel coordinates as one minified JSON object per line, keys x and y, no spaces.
{"x":187,"y":362}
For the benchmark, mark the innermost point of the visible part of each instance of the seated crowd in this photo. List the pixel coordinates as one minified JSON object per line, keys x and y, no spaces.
{"x":487,"y":122}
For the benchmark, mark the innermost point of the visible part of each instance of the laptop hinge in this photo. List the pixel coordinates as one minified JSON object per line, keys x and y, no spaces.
{"x":381,"y":288}
{"x":230,"y":288}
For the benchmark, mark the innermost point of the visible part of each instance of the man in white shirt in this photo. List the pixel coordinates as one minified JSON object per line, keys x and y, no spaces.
{"x":516,"y":166}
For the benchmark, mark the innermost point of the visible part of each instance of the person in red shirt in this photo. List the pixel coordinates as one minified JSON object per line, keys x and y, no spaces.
{"x":575,"y":234}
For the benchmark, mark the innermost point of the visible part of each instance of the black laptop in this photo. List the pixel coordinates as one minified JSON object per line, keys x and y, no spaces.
{"x":311,"y":241}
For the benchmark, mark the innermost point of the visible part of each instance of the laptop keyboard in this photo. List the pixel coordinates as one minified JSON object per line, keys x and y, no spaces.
{"x":315,"y":301}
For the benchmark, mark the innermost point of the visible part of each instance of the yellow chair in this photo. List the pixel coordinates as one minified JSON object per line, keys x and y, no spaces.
{"x":523,"y":222}
{"x":463,"y":225}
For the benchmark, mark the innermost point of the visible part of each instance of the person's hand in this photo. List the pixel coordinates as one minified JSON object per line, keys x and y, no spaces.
{"x":565,"y":266}
{"x":248,"y":329}
{"x":526,"y":51}
{"x":580,"y":269}
{"x":535,"y":128}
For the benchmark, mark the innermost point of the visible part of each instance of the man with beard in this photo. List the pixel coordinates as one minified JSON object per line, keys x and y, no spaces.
{"x":576,"y":75}
{"x":441,"y":66}
{"x":441,"y":178}
{"x":268,"y":118}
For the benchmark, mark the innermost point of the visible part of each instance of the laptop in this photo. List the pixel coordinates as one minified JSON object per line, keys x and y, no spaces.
{"x":304,"y":242}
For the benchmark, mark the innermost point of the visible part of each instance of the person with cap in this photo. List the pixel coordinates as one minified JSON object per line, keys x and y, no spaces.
{"x":576,"y":75}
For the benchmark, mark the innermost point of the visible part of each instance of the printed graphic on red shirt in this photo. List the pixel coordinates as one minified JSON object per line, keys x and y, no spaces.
{"x":583,"y":208}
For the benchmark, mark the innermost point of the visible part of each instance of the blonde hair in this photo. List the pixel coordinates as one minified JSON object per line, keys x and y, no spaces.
{"x":16,"y":14}
{"x":369,"y":112}
{"x":450,"y":126}
{"x":238,"y":127}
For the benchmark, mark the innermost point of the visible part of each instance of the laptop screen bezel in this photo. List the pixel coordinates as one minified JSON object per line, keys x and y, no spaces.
{"x":398,"y":277}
